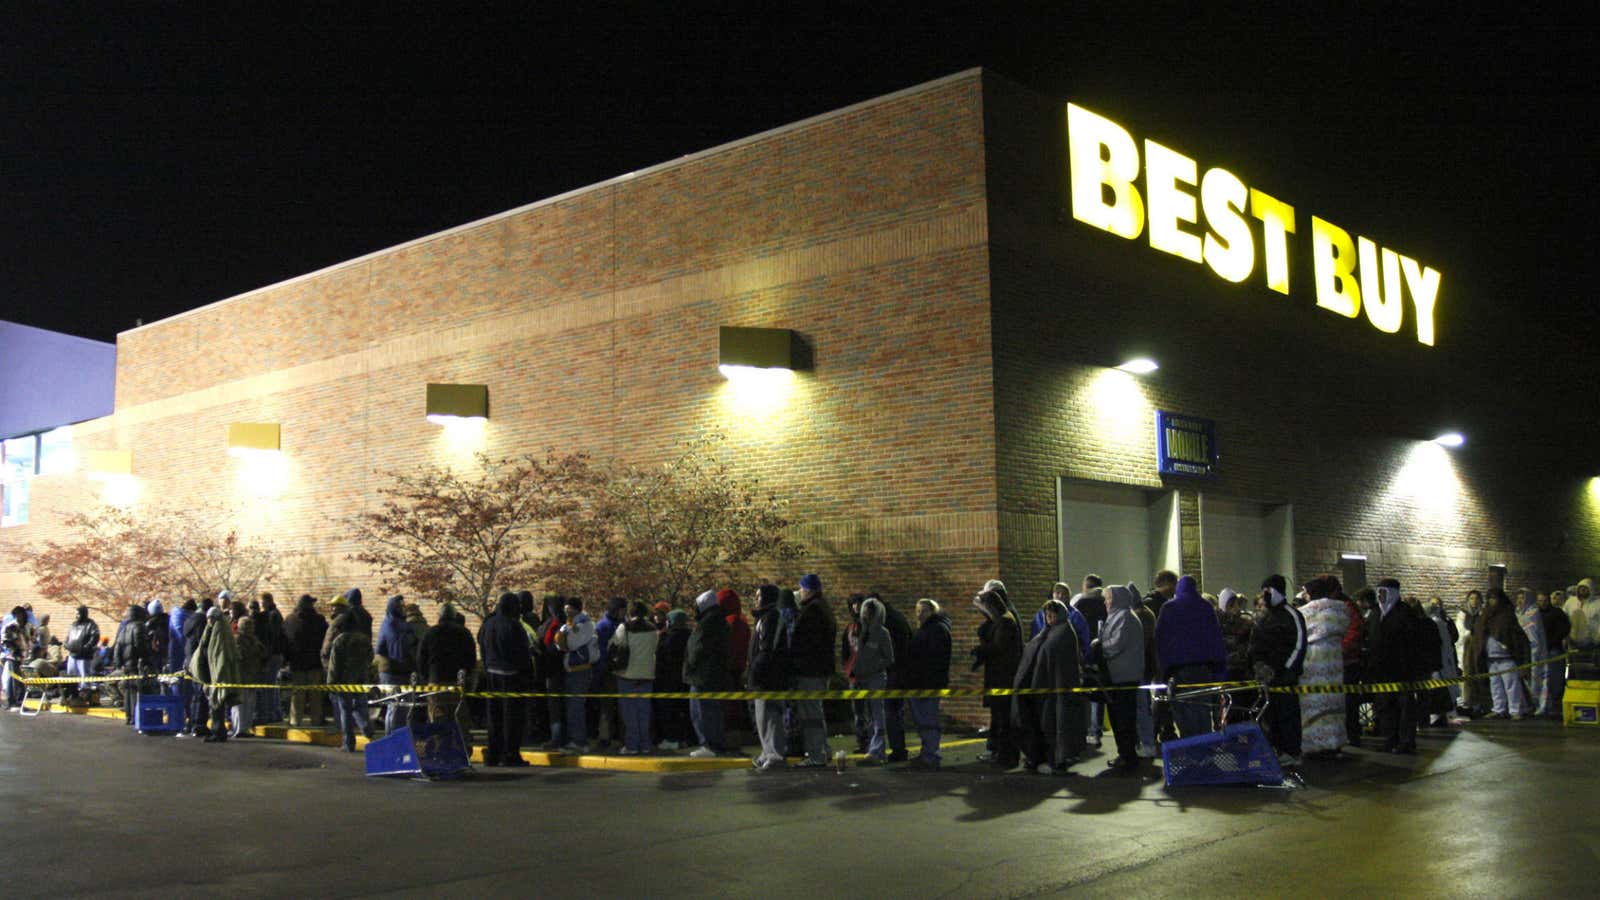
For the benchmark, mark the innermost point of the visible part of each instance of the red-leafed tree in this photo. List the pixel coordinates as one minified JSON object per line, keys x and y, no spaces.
{"x":207,"y":553}
{"x":666,"y":532}
{"x":112,"y":559}
{"x":463,"y":536}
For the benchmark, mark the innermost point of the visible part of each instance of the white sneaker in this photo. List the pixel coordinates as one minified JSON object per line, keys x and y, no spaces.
{"x":703,"y":753}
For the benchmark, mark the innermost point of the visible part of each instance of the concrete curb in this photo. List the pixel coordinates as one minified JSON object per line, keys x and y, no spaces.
{"x":660,"y":765}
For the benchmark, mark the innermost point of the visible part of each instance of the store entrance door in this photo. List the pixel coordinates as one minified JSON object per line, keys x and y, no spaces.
{"x":1242,"y":542}
{"x":1120,"y":532}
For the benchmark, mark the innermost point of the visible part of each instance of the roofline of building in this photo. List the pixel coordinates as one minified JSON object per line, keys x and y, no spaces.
{"x":576,"y":192}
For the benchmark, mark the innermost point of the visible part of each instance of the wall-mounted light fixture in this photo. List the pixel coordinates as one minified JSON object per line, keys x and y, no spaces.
{"x":1450,"y":439}
{"x":1142,"y":365}
{"x":449,"y":403}
{"x":743,"y":351}
{"x":247,"y":438}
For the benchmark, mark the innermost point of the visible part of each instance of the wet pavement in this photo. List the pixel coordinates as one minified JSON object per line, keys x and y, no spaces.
{"x":1502,"y":809}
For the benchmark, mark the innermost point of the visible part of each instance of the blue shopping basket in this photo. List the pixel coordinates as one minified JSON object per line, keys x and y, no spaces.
{"x":1238,"y":754}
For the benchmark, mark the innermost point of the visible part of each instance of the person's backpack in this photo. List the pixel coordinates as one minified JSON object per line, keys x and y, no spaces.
{"x":156,"y":641}
{"x":619,"y":653}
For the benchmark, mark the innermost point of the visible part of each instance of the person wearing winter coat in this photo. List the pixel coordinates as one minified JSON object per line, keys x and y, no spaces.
{"x":601,"y":714}
{"x":636,"y":641}
{"x":303,"y":632}
{"x":1396,"y":642}
{"x":926,"y":666}
{"x":216,"y":662}
{"x":1500,"y":638}
{"x":349,"y":662}
{"x":443,"y":655}
{"x":869,"y":667}
{"x":1277,"y":658}
{"x":894,"y":710}
{"x":1120,"y":649}
{"x":580,"y":650}
{"x":198,"y":707}
{"x":508,"y":662}
{"x":1236,"y":622}
{"x":1442,"y":701}
{"x":157,"y":631}
{"x":397,"y":658}
{"x":1474,"y":691}
{"x":269,"y":631}
{"x":1051,"y":726}
{"x":1557,"y":632}
{"x":83,"y":638}
{"x":252,"y":663}
{"x":1190,"y":651}
{"x":550,"y":674}
{"x":672,"y":716}
{"x":130,"y":655}
{"x":811,"y":649}
{"x":767,"y":671}
{"x":1327,"y":622}
{"x":997,"y":653}
{"x":706,"y":668}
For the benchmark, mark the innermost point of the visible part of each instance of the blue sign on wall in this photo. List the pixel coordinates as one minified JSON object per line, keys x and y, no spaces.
{"x":1185,"y":445}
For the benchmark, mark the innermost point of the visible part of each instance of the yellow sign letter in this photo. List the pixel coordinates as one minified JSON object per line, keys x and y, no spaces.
{"x":1422,"y":283}
{"x":1383,"y":300}
{"x":1230,"y":249}
{"x":1277,"y":220}
{"x":1164,"y":169}
{"x":1333,"y":258}
{"x":1103,"y":157}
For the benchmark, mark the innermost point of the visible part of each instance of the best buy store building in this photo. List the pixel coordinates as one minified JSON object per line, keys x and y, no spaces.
{"x":953,"y":276}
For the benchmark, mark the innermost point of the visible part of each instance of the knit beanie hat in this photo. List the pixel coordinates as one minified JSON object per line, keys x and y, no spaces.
{"x":810,"y":582}
{"x":705,"y":601}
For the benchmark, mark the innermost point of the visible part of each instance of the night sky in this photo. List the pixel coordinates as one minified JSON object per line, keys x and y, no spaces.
{"x":157,"y":157}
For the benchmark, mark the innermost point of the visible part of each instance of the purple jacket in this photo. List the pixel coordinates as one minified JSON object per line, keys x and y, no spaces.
{"x":1188,"y":632}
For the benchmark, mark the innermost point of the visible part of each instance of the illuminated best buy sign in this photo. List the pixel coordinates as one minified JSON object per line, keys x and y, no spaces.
{"x":1349,"y":275}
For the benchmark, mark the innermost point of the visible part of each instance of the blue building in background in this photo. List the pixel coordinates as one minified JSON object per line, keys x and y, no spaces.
{"x":48,"y":381}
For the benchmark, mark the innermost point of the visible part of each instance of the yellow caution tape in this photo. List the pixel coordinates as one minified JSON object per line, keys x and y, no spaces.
{"x":1389,"y":687}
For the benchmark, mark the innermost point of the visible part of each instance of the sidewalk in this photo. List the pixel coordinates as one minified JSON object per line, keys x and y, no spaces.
{"x":666,"y":762}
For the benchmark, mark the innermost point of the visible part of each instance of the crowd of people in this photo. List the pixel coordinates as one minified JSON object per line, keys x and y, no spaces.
{"x":1108,"y":639}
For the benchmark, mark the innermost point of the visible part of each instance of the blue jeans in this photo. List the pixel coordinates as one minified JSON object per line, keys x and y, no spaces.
{"x":925,"y":713}
{"x":1145,"y":719}
{"x":577,"y":726}
{"x":350,"y":713}
{"x":813,"y":722}
{"x":635,"y":713}
{"x":1558,"y":687}
{"x":707,"y":718}
{"x":875,"y":715}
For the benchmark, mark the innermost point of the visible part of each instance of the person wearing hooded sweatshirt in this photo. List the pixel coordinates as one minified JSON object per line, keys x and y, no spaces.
{"x":926,"y":666}
{"x":303,"y":631}
{"x":252,"y":659}
{"x":705,"y":668}
{"x":811,"y":648}
{"x":767,"y":672}
{"x":636,"y":640}
{"x":397,"y":658}
{"x":672,"y":716}
{"x":1190,"y":650}
{"x":735,"y":713}
{"x":1052,"y":726}
{"x":1236,"y":627}
{"x":1443,"y":700}
{"x":349,"y":661}
{"x":551,"y":674}
{"x":1326,"y":622}
{"x":157,"y":631}
{"x":1500,"y":637}
{"x":508,"y":661}
{"x":998,"y":651}
{"x":581,"y":650}
{"x":83,"y":637}
{"x":215,"y":663}
{"x":874,"y":654}
{"x":1582,"y":635}
{"x":1277,"y":658}
{"x":1121,"y":647}
{"x":1533,"y":626}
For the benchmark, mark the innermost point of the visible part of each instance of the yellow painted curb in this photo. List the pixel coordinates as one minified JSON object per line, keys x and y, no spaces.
{"x":660,"y":765}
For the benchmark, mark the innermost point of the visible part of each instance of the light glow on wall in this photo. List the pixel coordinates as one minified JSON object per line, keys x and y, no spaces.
{"x":1428,"y":483}
{"x":262,"y":474}
{"x":758,"y":396}
{"x":461,"y":438}
{"x":121,"y":491}
{"x":1121,"y":411}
